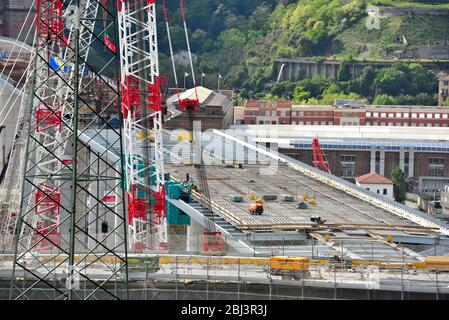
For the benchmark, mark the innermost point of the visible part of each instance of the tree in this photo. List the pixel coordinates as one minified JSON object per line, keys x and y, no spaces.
{"x":384,"y":99}
{"x":300,"y":94}
{"x":363,"y":85}
{"x":343,"y":73}
{"x":391,"y":81}
{"x":399,"y":187}
{"x":446,"y":102}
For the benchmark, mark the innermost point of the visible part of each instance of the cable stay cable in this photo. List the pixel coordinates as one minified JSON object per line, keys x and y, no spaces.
{"x":172,"y":57}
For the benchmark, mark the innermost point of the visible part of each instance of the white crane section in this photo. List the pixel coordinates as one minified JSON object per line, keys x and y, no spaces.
{"x":141,"y":110}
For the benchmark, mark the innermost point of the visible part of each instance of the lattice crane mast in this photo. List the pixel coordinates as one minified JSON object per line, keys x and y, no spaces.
{"x":48,"y":130}
{"x":142,"y":110}
{"x":67,"y":186}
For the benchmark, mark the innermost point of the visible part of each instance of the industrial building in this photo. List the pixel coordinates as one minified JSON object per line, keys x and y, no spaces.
{"x":355,"y":151}
{"x":285,"y":113}
{"x":216,"y":110}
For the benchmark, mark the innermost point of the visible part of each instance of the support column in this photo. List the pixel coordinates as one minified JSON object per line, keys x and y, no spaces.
{"x":382,"y":162}
{"x":194,"y":233}
{"x":290,"y":72}
{"x":411,"y":164}
{"x":402,"y":159}
{"x":373,"y":160}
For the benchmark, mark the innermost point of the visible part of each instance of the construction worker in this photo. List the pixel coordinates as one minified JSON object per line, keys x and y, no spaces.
{"x":256,"y":208}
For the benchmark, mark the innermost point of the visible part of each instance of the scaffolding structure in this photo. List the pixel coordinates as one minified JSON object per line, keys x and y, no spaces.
{"x":67,"y":188}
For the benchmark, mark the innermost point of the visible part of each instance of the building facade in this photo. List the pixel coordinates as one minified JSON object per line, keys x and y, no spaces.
{"x":351,"y":151}
{"x":284,"y":113}
{"x":426,"y":168}
{"x":216,"y":111}
{"x":443,"y":91}
{"x":13,"y":15}
{"x":266,"y":112}
{"x":376,"y":183}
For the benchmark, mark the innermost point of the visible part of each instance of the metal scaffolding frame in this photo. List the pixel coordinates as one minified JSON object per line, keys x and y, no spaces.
{"x":142,"y":124}
{"x":66,"y":188}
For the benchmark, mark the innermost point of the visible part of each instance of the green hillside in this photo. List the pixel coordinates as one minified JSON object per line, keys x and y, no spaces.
{"x":241,"y":39}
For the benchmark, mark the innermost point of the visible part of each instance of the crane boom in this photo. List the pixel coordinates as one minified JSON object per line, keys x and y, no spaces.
{"x":319,"y":160}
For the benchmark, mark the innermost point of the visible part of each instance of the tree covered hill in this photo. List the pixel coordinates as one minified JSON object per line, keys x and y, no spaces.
{"x":240,"y":39}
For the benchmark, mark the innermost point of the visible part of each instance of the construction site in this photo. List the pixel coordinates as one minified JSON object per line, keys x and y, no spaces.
{"x":98,"y":200}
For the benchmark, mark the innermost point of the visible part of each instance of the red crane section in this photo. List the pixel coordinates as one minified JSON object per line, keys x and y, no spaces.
{"x":319,"y":160}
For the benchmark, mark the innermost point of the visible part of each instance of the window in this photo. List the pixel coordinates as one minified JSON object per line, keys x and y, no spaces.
{"x":323,"y":123}
{"x":385,"y":192}
{"x":422,"y":115}
{"x":398,"y":115}
{"x":437,"y":116}
{"x":315,"y":123}
{"x":429,"y":116}
{"x":405,"y":115}
{"x":414,"y":115}
{"x":378,"y":191}
{"x":301,"y":113}
{"x":436,"y":167}
{"x":308,"y":123}
{"x":368,"y":114}
{"x":444,"y":115}
{"x":376,"y":114}
{"x":261,"y":122}
{"x":347,"y":166}
{"x":391,"y":115}
{"x":273,"y":122}
{"x":446,"y":82}
{"x":251,"y":113}
{"x":383,"y":115}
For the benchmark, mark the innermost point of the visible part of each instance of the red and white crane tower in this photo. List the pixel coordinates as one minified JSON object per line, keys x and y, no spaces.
{"x":142,"y":123}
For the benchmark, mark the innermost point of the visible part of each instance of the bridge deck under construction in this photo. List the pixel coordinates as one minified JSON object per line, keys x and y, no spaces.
{"x":335,"y":206}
